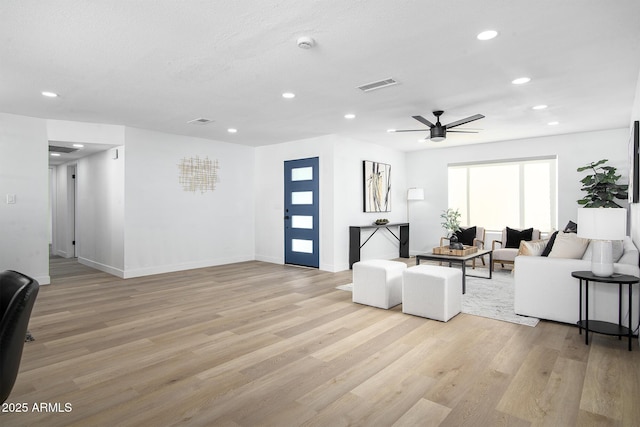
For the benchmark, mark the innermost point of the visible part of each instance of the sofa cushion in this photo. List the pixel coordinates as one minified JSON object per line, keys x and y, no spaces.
{"x":631,"y":254}
{"x":466,"y":236}
{"x":569,"y":245}
{"x":532,"y":248}
{"x":547,"y":249}
{"x":514,"y":237}
{"x":505,"y":254}
{"x":571,"y":227}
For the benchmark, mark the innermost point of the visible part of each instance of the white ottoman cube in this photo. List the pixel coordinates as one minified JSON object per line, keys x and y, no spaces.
{"x":378,"y":282}
{"x":431,"y":291}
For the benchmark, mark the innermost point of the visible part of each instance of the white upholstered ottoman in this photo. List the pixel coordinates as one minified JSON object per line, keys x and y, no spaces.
{"x":378,"y":282}
{"x":432,"y":291}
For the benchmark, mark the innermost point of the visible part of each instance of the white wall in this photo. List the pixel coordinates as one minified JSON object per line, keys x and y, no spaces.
{"x":100,"y":211}
{"x":341,"y":192}
{"x":348,"y":205}
{"x":428,"y":169}
{"x":169,"y":229}
{"x":85,"y":133}
{"x":269,"y":192}
{"x":24,"y":172}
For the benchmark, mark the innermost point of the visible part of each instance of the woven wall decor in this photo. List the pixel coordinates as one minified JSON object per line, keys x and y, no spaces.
{"x":196,"y":174}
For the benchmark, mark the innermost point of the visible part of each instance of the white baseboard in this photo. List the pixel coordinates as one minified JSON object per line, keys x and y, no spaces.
{"x":102,"y":267}
{"x":43,"y":280}
{"x":148,"y":271}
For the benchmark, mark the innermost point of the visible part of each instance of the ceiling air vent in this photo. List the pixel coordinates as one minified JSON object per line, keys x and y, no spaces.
{"x":58,"y":149}
{"x":200,"y":121}
{"x":378,"y":85}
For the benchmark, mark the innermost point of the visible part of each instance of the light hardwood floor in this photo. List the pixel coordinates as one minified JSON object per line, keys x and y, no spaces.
{"x":254,"y":343}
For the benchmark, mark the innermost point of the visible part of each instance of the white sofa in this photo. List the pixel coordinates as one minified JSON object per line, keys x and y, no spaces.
{"x":544,"y":288}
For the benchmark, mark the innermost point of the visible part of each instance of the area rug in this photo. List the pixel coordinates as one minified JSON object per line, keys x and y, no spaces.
{"x":487,"y":298}
{"x":493,"y":299}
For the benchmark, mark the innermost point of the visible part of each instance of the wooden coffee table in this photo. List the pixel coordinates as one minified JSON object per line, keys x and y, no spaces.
{"x":462,"y":260}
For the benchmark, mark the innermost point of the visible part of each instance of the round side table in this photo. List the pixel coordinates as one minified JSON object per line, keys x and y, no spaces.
{"x":599,"y":326}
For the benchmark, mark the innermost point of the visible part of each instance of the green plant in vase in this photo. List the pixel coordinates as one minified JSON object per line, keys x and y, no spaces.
{"x":601,"y":186}
{"x":451,"y":223}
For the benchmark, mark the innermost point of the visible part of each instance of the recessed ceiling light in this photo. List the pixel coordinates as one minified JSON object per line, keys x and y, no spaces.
{"x":521,"y":80}
{"x":350,"y":116}
{"x":78,"y":145}
{"x":50,"y":94}
{"x":232,"y":130}
{"x":540,"y":107}
{"x":288,"y":95}
{"x":553,"y":123}
{"x":487,"y":35}
{"x":55,"y":154}
{"x":391,"y":130}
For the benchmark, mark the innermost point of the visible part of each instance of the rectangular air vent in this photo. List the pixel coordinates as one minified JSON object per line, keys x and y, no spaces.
{"x":58,"y":149}
{"x":200,"y":121}
{"x":377,"y":85}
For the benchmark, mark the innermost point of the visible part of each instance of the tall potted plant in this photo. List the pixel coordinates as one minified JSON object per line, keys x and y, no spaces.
{"x":601,"y":186}
{"x":451,"y":223}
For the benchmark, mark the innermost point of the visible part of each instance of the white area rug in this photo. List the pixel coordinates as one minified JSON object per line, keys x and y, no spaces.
{"x":493,"y":299}
{"x":487,"y":298}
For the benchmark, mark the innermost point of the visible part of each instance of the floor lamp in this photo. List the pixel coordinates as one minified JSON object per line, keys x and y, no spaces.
{"x":414,"y":194}
{"x":602,"y":225}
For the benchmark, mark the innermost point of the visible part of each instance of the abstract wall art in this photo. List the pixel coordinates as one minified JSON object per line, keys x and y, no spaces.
{"x":377,"y":187}
{"x":196,"y":174}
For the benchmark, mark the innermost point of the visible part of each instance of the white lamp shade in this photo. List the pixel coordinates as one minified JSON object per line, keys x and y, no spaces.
{"x":602,"y":223}
{"x":415,"y":194}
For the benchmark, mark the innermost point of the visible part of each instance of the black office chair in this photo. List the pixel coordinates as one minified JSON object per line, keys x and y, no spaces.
{"x":17,"y":296}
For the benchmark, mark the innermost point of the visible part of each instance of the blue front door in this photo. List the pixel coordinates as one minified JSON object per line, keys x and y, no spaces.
{"x":301,"y":222}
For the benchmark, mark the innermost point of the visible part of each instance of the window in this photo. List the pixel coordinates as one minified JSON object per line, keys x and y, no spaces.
{"x":514,"y":193}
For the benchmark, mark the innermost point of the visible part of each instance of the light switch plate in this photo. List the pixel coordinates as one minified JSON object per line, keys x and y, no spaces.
{"x":11,"y":199}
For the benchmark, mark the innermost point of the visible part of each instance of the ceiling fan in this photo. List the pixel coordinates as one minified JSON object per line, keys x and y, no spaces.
{"x":439,"y":131}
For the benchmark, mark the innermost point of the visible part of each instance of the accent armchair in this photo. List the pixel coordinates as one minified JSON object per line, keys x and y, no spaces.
{"x":17,"y":296}
{"x":469,"y":236}
{"x":505,"y":250}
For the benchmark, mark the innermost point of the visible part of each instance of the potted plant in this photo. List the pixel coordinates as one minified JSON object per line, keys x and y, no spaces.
{"x":601,"y":186}
{"x":451,"y":223}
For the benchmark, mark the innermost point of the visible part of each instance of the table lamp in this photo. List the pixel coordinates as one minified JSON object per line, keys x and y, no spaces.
{"x":602,"y":225}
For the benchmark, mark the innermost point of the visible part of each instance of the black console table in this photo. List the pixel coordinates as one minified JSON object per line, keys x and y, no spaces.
{"x":355,"y":245}
{"x":598,"y":326}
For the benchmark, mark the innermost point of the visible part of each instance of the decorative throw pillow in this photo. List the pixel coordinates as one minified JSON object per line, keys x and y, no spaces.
{"x":514,"y":237}
{"x":547,"y":249}
{"x":618,"y":250}
{"x":467,"y":235}
{"x":571,"y":227}
{"x":569,"y":245}
{"x":533,"y":247}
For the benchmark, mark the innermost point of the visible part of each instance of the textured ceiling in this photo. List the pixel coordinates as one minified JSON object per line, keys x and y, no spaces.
{"x":158,"y":64}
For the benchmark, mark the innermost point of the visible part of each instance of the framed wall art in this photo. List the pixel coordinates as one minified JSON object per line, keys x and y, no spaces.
{"x":377,"y":187}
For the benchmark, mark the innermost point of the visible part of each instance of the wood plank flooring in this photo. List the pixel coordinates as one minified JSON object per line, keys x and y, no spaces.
{"x":254,"y":344}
